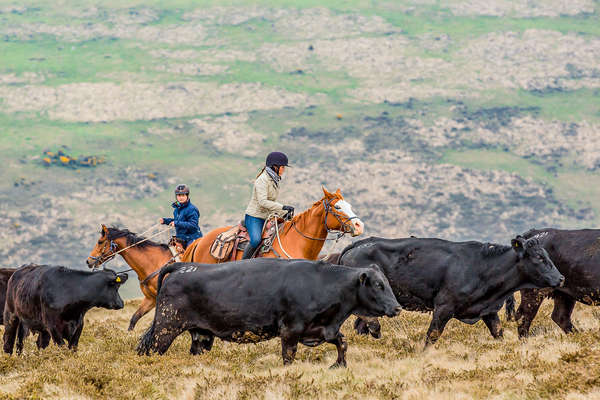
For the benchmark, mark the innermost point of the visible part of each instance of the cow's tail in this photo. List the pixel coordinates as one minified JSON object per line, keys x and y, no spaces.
{"x":161,"y":275}
{"x":147,"y":339}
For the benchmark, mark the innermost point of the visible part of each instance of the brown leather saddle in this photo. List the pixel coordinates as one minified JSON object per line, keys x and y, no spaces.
{"x":228,"y":243}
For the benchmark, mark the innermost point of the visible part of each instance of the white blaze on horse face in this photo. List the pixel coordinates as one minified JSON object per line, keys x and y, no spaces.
{"x":357,"y":224}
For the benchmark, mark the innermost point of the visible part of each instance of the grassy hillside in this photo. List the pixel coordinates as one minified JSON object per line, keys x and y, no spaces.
{"x":466,"y":363}
{"x":461,"y":119}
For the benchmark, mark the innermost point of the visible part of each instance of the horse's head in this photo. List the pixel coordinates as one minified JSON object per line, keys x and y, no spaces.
{"x":103,"y":251}
{"x":339,"y":215}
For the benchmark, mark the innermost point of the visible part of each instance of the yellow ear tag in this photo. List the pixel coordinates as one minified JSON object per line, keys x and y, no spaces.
{"x":118,"y":279}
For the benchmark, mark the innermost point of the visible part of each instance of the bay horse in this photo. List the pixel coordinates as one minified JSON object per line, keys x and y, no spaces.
{"x":301,"y":237}
{"x":144,"y":256}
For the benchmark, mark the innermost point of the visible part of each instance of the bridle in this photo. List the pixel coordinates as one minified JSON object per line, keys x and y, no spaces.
{"x":345,"y":225}
{"x":104,"y":256}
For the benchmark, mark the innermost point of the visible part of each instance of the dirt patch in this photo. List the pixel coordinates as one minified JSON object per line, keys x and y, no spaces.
{"x":322,"y":23}
{"x":96,"y":102}
{"x":192,"y":34}
{"x":230,"y":134}
{"x":535,"y":60}
{"x":522,"y":8}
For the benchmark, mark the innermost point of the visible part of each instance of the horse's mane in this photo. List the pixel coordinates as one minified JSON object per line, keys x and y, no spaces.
{"x":493,"y":249}
{"x":115,"y":233}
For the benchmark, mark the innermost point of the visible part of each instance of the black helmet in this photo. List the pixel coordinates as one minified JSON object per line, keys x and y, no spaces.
{"x":277,"y":158}
{"x":182,"y":189}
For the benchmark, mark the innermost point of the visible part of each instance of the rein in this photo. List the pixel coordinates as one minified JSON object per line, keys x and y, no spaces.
{"x":345,"y":228}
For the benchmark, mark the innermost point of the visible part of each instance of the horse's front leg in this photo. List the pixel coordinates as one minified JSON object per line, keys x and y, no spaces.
{"x":147,"y":305}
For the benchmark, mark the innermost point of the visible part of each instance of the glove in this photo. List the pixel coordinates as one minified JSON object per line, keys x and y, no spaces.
{"x":289,"y":209}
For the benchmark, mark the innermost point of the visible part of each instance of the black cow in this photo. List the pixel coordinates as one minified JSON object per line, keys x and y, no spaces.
{"x":53,"y":300}
{"x":255,"y":300}
{"x":5,"y":274}
{"x":468,"y":281}
{"x":576,"y":254}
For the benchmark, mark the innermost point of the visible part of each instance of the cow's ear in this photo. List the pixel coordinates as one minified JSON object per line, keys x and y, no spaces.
{"x":518,"y":244}
{"x":362,"y":278}
{"x":121,"y":279}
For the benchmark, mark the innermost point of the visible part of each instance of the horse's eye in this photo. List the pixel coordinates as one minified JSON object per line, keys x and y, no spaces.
{"x":99,"y":241}
{"x":337,"y":207}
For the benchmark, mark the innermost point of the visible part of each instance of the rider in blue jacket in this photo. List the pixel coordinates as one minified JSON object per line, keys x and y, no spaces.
{"x":185,"y":217}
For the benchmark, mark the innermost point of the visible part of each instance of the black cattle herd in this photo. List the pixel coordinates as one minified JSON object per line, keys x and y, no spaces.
{"x":303,"y":301}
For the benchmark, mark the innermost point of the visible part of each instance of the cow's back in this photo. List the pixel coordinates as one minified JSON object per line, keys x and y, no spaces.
{"x":251,"y":295}
{"x":419,"y":268}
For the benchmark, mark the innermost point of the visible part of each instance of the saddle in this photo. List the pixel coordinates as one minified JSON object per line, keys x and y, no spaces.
{"x":226,"y":245}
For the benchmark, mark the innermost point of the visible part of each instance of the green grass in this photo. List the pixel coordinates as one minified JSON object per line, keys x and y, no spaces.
{"x":61,"y":62}
{"x":568,"y":106}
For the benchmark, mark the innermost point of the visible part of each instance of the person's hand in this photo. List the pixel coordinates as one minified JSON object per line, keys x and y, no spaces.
{"x":289,"y":209}
{"x":161,"y":221}
{"x":172,"y":223}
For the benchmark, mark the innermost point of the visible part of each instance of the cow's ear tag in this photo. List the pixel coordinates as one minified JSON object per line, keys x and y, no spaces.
{"x":516,"y":244}
{"x":118,"y":280}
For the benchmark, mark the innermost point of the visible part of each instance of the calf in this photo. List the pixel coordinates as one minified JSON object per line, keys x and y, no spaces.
{"x":255,"y":300}
{"x":52,"y":301}
{"x":468,"y":281}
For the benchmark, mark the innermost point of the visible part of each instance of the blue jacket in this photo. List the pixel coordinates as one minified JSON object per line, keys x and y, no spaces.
{"x":186,"y":221}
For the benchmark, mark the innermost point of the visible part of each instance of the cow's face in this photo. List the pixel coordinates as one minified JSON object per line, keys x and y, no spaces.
{"x":108,"y":284}
{"x":375,"y":295}
{"x":535,"y":263}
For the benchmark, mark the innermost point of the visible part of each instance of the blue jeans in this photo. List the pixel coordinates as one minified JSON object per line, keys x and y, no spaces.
{"x":254,"y":226}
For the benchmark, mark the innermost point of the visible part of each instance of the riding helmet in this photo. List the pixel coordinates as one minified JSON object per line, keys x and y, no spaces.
{"x":277,"y":158}
{"x":182,"y":189}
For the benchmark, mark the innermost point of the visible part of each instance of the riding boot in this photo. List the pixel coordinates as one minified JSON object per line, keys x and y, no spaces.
{"x":248,"y":252}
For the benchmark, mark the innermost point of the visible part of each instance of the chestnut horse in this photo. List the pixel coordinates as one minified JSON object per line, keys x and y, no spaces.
{"x":301,"y":237}
{"x":143,"y":256}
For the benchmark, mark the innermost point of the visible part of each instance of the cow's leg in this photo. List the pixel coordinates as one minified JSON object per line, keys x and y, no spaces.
{"x":43,"y":340}
{"x":563,"y":308}
{"x":11,"y":325}
{"x":531,"y":300}
{"x":21,"y":334}
{"x":493,"y":324}
{"x":342,"y":345}
{"x":289,"y":345}
{"x":146,"y":305}
{"x":201,"y":341}
{"x":510,"y":308}
{"x":441,"y":316}
{"x":74,"y":339}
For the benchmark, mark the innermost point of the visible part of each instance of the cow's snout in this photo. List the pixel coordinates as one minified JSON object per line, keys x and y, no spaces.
{"x":358,"y":227}
{"x":395,"y":311}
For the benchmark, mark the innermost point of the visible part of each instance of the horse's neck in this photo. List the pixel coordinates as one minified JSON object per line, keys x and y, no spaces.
{"x":144,"y":260}
{"x":311,"y":223}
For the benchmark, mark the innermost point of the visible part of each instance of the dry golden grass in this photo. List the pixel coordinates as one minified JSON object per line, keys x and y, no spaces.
{"x":466,"y":363}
